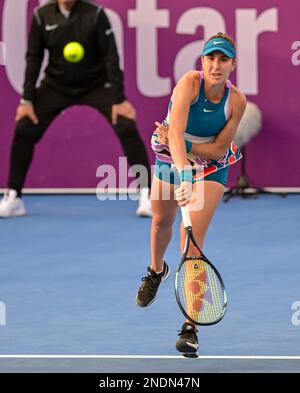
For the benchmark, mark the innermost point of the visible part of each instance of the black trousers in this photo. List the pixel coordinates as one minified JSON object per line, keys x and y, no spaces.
{"x":48,"y":104}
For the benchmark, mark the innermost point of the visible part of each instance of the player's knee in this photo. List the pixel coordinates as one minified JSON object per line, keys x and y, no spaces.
{"x":162,"y":221}
{"x":126,"y":128}
{"x":26,"y":130}
{"x":24,"y":124}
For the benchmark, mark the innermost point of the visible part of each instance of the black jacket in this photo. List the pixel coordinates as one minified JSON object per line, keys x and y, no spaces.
{"x":87,"y":24}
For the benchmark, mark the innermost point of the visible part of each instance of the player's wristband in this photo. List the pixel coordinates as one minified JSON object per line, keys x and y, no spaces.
{"x":188,"y":146}
{"x":186,"y":175}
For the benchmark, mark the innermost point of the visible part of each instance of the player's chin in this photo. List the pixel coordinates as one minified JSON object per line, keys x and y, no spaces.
{"x":217,"y":80}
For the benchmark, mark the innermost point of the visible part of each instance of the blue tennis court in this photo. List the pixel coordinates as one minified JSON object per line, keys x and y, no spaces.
{"x":71,"y":268}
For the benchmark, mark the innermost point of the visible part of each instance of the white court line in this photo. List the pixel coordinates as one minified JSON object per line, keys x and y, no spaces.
{"x":131,"y":190}
{"x":145,"y":357}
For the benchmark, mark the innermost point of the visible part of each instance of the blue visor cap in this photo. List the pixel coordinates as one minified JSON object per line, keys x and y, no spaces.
{"x":221,"y":45}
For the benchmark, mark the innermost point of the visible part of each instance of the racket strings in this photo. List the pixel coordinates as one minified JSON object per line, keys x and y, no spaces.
{"x":200,"y":291}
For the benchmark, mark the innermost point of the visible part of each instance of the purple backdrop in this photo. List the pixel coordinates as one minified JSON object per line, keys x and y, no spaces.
{"x":80,"y":140}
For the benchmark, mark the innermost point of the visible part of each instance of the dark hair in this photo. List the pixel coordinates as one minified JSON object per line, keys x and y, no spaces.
{"x":224,"y":36}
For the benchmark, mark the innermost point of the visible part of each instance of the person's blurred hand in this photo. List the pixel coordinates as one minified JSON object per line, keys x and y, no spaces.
{"x":184,"y":192}
{"x":125,"y":109}
{"x":162,"y":132}
{"x":26,"y":110}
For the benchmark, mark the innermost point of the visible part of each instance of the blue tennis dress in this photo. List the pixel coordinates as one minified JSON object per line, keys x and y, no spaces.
{"x":206,"y":119}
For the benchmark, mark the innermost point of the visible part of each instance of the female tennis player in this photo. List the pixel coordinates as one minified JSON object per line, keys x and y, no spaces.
{"x":193,"y":153}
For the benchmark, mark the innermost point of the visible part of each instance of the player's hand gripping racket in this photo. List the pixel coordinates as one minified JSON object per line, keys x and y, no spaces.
{"x":199,"y":288}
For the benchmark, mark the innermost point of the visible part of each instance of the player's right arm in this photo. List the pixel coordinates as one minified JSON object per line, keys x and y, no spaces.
{"x":183,"y":95}
{"x":34,"y":59}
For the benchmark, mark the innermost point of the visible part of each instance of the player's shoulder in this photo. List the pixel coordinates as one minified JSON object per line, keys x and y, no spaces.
{"x":52,"y":4}
{"x":49,"y":5}
{"x":238,"y":96}
{"x":188,"y":85}
{"x":91,"y":5}
{"x":191,"y":78}
{"x":41,"y":12}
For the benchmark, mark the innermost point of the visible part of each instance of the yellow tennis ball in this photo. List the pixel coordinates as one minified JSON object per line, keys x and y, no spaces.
{"x":74,"y":52}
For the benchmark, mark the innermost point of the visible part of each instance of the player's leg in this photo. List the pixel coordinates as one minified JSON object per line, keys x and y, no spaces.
{"x":208,"y":196}
{"x":136,"y":153}
{"x":47,"y":105}
{"x":131,"y":141}
{"x":164,"y":209}
{"x":202,"y":211}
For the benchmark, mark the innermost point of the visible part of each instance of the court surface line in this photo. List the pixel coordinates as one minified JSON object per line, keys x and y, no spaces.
{"x":145,"y":357}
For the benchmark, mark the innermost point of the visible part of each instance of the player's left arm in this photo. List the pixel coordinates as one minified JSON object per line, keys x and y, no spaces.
{"x":217,"y":149}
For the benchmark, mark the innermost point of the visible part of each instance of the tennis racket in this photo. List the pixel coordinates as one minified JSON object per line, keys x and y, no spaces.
{"x":199,"y":288}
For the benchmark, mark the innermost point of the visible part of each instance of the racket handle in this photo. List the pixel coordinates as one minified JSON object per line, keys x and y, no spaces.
{"x":186,"y":217}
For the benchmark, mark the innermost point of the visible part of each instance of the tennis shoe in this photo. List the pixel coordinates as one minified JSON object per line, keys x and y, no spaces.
{"x":144,"y":206}
{"x":188,"y":340}
{"x":11,"y":205}
{"x":149,"y":288}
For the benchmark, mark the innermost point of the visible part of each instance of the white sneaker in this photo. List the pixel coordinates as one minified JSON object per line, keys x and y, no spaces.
{"x":144,"y":208}
{"x":11,"y":205}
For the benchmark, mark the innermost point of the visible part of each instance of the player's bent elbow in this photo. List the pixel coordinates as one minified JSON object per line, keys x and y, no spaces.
{"x":219,"y":153}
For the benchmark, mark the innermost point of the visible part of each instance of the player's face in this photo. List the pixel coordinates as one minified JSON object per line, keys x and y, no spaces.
{"x":67,"y":4}
{"x":217,"y":67}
